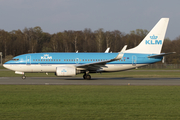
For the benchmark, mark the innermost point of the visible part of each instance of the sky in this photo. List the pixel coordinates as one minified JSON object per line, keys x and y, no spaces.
{"x":58,"y":15}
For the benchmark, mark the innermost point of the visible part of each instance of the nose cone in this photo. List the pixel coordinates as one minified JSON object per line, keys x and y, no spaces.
{"x":5,"y":65}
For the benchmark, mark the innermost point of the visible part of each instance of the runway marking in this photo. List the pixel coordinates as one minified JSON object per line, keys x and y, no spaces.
{"x":4,"y":78}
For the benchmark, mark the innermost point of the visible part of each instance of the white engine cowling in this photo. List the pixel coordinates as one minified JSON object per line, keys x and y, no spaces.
{"x":65,"y":71}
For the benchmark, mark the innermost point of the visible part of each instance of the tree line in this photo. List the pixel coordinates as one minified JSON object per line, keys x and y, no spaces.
{"x":34,"y":40}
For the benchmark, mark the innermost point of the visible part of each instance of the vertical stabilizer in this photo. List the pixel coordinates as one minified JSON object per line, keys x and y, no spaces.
{"x":152,"y":43}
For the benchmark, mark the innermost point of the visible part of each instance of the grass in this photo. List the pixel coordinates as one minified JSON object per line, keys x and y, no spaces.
{"x":48,"y":102}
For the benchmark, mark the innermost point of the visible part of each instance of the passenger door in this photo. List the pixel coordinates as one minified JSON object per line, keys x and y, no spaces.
{"x":28,"y":60}
{"x":134,"y":60}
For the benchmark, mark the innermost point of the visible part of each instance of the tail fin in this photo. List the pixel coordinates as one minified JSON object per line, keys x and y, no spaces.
{"x":152,"y":43}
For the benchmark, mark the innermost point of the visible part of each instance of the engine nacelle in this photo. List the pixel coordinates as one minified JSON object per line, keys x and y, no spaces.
{"x":65,"y":71}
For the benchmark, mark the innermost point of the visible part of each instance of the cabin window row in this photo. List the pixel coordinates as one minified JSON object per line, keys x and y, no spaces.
{"x":46,"y":59}
{"x":72,"y":60}
{"x":85,"y":59}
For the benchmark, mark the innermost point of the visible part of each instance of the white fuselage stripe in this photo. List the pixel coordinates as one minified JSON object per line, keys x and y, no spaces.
{"x":52,"y":67}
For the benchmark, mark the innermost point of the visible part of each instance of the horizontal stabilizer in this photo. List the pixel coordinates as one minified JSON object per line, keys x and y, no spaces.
{"x":160,"y":55}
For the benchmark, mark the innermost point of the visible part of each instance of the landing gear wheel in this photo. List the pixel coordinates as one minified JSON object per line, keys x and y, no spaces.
{"x":88,"y":77}
{"x":23,"y":77}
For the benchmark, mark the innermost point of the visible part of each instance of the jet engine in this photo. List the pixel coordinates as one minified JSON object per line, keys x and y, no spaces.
{"x":65,"y":71}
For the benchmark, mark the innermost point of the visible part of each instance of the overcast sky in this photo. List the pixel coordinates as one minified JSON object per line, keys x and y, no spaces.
{"x":58,"y":15}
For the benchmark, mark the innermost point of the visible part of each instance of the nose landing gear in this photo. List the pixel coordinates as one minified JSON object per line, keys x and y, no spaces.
{"x":23,"y":77}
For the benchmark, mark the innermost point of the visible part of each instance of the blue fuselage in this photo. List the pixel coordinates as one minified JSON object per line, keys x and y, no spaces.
{"x":80,"y":58}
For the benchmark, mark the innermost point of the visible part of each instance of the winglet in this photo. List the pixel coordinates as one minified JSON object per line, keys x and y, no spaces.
{"x":121,"y":53}
{"x":107,"y":50}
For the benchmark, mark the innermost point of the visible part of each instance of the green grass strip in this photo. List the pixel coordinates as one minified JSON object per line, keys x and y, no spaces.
{"x":48,"y":102}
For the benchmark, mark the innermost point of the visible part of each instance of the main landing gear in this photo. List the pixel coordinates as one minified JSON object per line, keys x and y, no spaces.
{"x":87,"y":76}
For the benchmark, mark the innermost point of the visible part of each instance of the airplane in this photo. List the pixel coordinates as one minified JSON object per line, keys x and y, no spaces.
{"x":71,"y":64}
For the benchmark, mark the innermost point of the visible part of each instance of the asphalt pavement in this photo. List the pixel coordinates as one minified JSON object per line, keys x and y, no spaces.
{"x":93,"y":81}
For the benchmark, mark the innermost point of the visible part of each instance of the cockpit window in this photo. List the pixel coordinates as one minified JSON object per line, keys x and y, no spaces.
{"x":15,"y":59}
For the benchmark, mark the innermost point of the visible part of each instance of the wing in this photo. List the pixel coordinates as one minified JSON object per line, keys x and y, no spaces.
{"x":98,"y":65}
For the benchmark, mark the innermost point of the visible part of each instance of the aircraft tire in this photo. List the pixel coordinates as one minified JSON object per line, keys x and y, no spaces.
{"x":88,"y":77}
{"x":23,"y":77}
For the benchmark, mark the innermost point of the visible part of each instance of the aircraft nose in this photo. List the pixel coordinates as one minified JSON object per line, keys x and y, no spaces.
{"x":5,"y":65}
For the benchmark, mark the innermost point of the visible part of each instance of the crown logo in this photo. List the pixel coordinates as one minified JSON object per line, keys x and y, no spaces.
{"x":63,"y":70}
{"x":153,"y":37}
